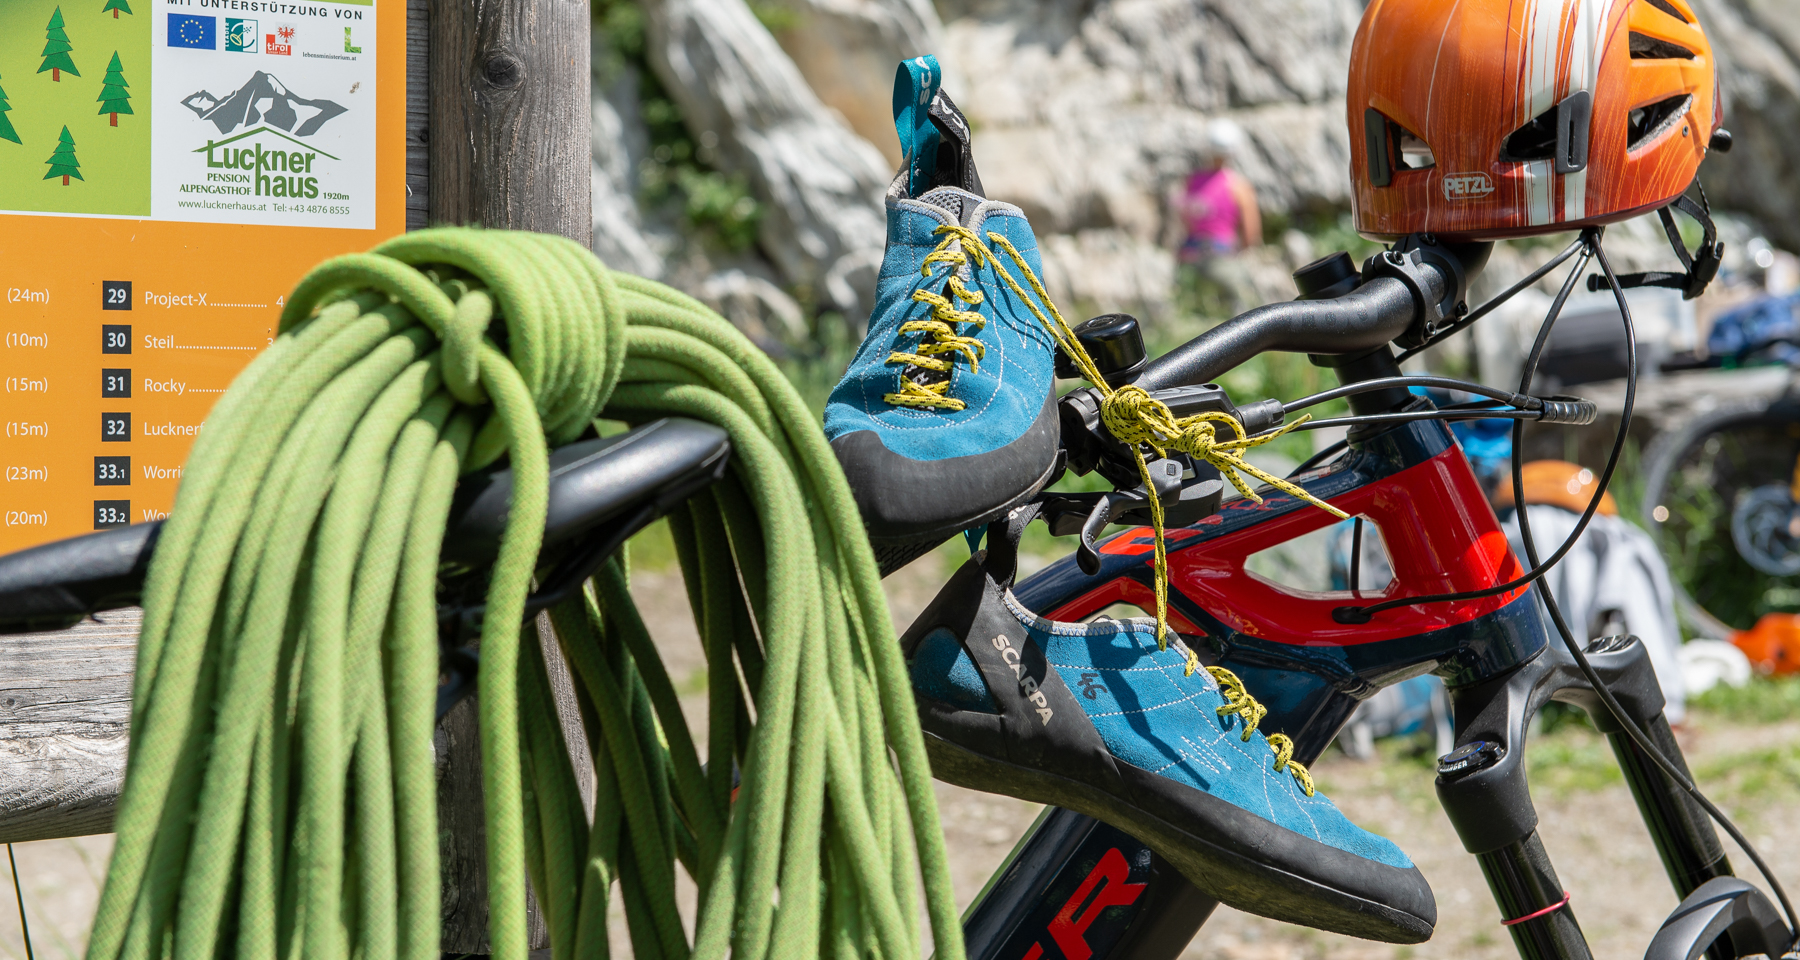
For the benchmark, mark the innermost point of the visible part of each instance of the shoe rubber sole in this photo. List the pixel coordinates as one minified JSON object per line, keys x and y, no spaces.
{"x":1226,"y":875}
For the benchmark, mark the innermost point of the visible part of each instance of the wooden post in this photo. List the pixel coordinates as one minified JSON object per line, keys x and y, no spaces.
{"x":508,"y":146}
{"x":510,"y":119}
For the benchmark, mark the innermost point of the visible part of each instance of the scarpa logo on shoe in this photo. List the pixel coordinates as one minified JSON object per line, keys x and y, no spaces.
{"x":1027,"y":685}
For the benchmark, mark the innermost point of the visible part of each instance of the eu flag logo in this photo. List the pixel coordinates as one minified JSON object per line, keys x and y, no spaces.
{"x":201,"y":33}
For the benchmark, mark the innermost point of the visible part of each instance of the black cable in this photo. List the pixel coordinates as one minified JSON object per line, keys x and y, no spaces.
{"x":24,"y":928}
{"x":1319,"y":458}
{"x":1642,"y":740}
{"x":1589,"y":240}
{"x":1409,"y":416}
{"x":1356,"y":557}
{"x":1500,"y":298}
{"x":1521,"y":401}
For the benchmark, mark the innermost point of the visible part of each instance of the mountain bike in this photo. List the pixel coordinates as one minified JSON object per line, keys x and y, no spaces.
{"x":1459,"y":605}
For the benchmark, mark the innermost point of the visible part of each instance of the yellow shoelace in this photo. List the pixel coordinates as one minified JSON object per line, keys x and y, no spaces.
{"x":1239,"y":701}
{"x":1133,"y":416}
{"x":943,"y":326}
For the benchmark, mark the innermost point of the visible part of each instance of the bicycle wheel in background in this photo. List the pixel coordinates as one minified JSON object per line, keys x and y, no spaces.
{"x":1733,"y":466}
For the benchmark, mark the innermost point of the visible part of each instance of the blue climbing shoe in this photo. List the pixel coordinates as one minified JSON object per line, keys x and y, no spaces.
{"x":946,"y":418}
{"x":1093,"y":717}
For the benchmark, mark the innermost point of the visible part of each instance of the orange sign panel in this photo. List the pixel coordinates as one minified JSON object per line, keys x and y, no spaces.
{"x":168,"y":170}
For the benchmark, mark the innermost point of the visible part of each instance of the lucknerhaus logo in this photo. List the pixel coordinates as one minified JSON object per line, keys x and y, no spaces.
{"x":267,"y":159}
{"x":251,"y":164}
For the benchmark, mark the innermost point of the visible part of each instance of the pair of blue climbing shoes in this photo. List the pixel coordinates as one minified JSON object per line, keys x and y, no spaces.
{"x":946,"y":421}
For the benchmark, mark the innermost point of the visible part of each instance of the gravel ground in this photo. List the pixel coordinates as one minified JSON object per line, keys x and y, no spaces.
{"x":1588,"y":822}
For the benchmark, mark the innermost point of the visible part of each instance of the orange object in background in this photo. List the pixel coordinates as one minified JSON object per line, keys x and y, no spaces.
{"x":1487,"y":119}
{"x":1558,"y":483}
{"x":1773,"y":645}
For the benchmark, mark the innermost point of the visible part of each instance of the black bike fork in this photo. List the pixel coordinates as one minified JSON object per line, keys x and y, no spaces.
{"x":1483,"y":789}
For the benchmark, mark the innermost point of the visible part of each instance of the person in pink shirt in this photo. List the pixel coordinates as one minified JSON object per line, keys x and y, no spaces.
{"x":1217,"y":205}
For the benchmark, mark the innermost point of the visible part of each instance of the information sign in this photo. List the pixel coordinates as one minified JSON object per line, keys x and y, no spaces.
{"x":168,"y":170}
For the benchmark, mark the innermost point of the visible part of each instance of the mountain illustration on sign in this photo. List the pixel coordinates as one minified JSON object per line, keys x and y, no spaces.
{"x":117,"y":6}
{"x":63,"y":163}
{"x":113,"y":98}
{"x":56,"y":49}
{"x":6,"y":128}
{"x":262,"y":99}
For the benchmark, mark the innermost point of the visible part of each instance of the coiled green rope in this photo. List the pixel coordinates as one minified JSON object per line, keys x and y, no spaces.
{"x":280,"y":798}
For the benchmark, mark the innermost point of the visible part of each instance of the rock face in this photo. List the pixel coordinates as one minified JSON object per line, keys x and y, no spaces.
{"x":847,"y":51}
{"x":819,"y":182}
{"x":1757,"y":43}
{"x":1087,"y":113}
{"x":622,"y":237}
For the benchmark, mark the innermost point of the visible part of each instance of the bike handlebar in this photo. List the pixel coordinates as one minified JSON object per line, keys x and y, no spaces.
{"x":1403,"y":291}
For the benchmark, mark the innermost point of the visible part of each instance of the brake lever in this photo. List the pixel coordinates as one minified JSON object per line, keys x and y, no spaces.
{"x":1089,"y":514}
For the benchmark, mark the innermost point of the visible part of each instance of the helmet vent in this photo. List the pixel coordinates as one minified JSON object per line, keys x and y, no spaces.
{"x":1559,"y":133}
{"x":1647,"y":123}
{"x":1646,"y":47}
{"x":1670,"y":9}
{"x":1536,"y":140}
{"x":1415,"y":153}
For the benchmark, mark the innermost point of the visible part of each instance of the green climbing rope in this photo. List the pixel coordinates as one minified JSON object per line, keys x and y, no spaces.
{"x":280,"y":799}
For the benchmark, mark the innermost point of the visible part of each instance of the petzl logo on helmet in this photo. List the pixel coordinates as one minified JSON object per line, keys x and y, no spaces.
{"x":1467,"y":186}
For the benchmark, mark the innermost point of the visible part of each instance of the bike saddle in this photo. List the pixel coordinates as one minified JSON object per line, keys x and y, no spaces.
{"x":601,"y":492}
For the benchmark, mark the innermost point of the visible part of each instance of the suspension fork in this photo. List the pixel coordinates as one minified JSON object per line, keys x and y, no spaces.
{"x":1483,"y":789}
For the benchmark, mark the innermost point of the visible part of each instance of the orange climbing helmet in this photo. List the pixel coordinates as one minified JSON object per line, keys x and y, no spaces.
{"x":1487,"y":119}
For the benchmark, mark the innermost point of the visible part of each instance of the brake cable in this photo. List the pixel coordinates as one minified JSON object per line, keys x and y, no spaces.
{"x":1520,"y":400}
{"x":1589,"y":242}
{"x":1466,"y":322}
{"x":1638,"y":737}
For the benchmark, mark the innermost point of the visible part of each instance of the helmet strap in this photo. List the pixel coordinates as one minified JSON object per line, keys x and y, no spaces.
{"x":1698,"y":269}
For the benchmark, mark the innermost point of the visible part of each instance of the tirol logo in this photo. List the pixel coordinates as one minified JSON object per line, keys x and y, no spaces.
{"x":241,"y":36}
{"x":263,"y":160}
{"x":1467,"y":186}
{"x":280,"y":43}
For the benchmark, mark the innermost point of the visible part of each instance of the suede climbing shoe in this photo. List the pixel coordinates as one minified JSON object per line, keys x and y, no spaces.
{"x":1095,"y":718}
{"x":946,"y":417}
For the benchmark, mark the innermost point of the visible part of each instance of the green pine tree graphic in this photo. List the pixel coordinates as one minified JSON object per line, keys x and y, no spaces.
{"x":56,"y":49}
{"x":116,"y":6}
{"x":113,"y":98}
{"x":6,"y":128}
{"x":63,"y":163}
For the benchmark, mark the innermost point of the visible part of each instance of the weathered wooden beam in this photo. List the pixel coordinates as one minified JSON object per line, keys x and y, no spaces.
{"x":418,"y":114}
{"x":65,"y":708}
{"x":508,"y":145}
{"x":510,"y":117}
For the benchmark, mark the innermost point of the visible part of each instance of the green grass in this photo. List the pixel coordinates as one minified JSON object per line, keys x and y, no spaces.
{"x":1751,"y":775}
{"x":1571,"y":760}
{"x":1762,"y":700}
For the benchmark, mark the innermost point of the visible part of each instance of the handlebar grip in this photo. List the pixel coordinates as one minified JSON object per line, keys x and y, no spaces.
{"x":1570,"y":410}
